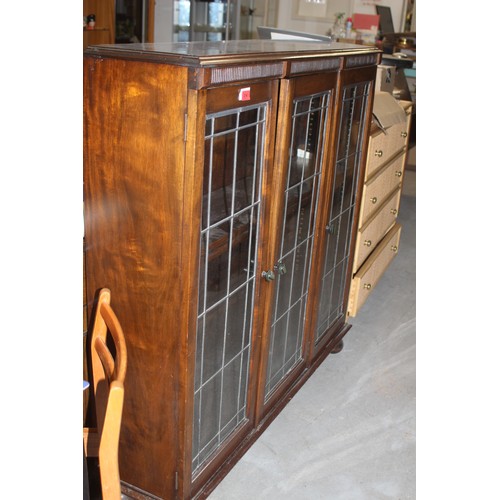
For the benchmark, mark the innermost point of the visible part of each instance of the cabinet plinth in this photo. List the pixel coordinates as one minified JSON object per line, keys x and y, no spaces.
{"x":222,"y":187}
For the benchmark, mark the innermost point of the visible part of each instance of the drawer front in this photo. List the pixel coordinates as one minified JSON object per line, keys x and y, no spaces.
{"x":371,"y":271}
{"x":382,"y":146}
{"x":379,"y":187}
{"x":371,"y":233}
{"x":398,"y":135}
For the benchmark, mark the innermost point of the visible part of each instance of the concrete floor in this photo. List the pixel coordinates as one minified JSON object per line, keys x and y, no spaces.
{"x":349,"y":433}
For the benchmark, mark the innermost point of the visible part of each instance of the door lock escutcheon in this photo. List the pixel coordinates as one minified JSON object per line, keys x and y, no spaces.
{"x":280,"y":268}
{"x":268,"y":275}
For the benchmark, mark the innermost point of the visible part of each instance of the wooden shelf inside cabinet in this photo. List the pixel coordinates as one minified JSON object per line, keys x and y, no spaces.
{"x":96,"y":36}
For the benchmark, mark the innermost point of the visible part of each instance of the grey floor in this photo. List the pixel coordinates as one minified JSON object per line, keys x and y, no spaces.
{"x":349,"y":433}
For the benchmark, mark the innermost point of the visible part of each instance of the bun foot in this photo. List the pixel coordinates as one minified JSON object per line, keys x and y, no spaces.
{"x":338,"y":347}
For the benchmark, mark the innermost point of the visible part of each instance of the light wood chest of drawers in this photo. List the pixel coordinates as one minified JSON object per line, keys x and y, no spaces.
{"x":377,"y":237}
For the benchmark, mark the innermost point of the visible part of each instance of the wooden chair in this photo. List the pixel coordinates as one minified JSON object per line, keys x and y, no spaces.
{"x":108,"y":374}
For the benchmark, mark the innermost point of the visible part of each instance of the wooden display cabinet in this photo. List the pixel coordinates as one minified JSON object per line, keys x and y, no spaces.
{"x":221,"y":186}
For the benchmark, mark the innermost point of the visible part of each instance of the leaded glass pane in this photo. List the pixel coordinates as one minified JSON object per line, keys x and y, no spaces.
{"x":349,"y":154}
{"x":234,"y":142}
{"x":297,"y":235}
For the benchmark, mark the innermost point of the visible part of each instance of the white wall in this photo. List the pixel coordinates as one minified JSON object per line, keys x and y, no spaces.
{"x":287,"y":20}
{"x":164,"y":16}
{"x":280,"y":14}
{"x":264,"y":14}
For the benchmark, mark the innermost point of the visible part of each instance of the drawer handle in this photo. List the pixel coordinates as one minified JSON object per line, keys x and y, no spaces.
{"x":399,"y":173}
{"x":394,"y":211}
{"x":394,"y":248}
{"x":368,"y":243}
{"x":379,"y":153}
{"x":367,"y":286}
{"x":404,"y":134}
{"x":373,"y":200}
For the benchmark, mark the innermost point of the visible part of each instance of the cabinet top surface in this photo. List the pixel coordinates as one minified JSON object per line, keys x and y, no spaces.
{"x":230,"y":52}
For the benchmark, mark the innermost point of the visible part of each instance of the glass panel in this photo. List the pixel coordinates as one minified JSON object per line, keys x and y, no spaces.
{"x":202,"y":20}
{"x":234,"y":144}
{"x":130,"y":21}
{"x":297,"y":234}
{"x":349,"y":154}
{"x":213,"y":342}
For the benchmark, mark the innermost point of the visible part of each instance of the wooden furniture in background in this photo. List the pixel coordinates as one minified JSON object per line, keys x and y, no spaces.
{"x":377,"y":238}
{"x":221,"y":187}
{"x":109,"y":367}
{"x":104,"y":31}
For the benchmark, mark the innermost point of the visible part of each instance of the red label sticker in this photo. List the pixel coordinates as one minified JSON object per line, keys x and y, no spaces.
{"x":244,"y":94}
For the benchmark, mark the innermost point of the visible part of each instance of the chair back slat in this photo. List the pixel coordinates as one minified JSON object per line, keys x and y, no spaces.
{"x":108,"y":369}
{"x":106,"y":358}
{"x":119,"y":340}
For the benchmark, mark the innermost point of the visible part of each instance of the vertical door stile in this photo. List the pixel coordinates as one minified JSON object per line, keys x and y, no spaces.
{"x":193,"y":172}
{"x":265,"y":251}
{"x":276,"y":176}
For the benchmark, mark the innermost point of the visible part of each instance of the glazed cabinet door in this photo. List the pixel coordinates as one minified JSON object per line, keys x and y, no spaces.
{"x":355,"y":101}
{"x":303,"y":129}
{"x":237,"y":151}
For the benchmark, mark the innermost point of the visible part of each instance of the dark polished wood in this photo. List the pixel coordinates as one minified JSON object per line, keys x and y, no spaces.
{"x":134,"y":183}
{"x":241,"y":52}
{"x":145,"y":177}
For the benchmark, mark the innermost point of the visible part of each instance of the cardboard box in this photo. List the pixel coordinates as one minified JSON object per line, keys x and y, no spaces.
{"x":387,"y":111}
{"x":368,"y":22}
{"x":386,"y":76}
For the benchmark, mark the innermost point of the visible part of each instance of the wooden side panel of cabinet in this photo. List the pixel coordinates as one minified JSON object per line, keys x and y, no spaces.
{"x":134,"y":198}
